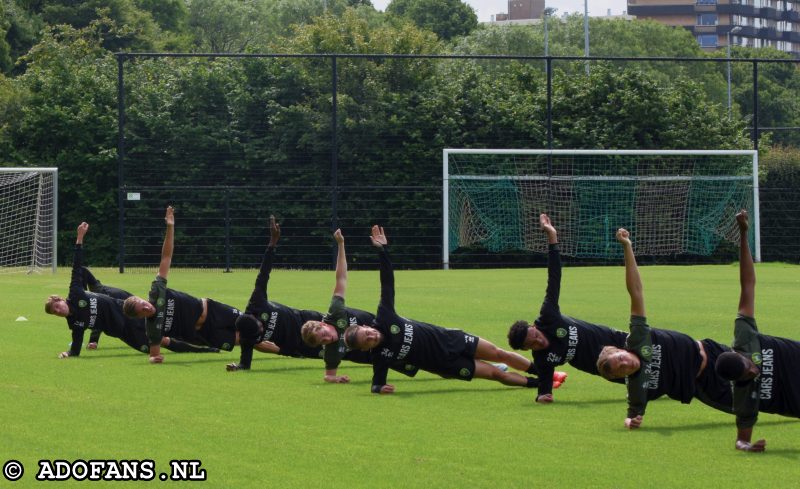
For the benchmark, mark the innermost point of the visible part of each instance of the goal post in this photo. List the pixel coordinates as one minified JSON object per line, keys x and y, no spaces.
{"x":28,"y":219}
{"x":672,"y":201}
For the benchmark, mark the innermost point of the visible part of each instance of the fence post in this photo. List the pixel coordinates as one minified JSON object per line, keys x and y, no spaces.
{"x":755,"y":105}
{"x":227,"y":230}
{"x":121,"y":157}
{"x":334,"y":153}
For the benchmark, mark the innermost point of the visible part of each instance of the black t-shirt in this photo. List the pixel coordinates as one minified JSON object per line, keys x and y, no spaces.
{"x":421,"y":344}
{"x":282,"y":324}
{"x":671,"y":370}
{"x":89,"y":310}
{"x":570,"y":340}
{"x":779,"y":389}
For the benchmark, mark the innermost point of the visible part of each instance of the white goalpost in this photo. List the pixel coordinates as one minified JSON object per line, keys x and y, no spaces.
{"x":672,"y":201}
{"x":28,"y":219}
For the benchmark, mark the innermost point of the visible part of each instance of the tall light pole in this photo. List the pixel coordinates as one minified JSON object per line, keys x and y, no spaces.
{"x":728,"y":49}
{"x":549,"y":11}
{"x":586,"y":32}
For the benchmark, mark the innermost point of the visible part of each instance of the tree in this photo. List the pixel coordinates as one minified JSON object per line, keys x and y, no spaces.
{"x":447,"y":18}
{"x":64,"y":109}
{"x":19,"y":30}
{"x":133,"y":28}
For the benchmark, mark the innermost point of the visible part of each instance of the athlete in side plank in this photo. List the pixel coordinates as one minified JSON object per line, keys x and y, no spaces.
{"x":168,"y":312}
{"x":656,"y":362}
{"x":763,"y":369}
{"x":556,"y":339}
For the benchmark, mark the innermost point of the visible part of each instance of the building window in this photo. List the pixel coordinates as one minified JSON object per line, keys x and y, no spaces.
{"x":706,"y":19}
{"x":706,"y":2}
{"x":707,"y":40}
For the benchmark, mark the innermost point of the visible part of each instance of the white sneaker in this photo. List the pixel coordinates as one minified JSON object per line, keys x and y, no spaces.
{"x":501,"y":366}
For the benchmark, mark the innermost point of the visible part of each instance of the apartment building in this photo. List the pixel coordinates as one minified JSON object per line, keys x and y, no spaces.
{"x":754,"y":23}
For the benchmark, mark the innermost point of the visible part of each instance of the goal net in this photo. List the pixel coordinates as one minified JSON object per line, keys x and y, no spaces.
{"x":673,"y":202}
{"x":28,"y":209}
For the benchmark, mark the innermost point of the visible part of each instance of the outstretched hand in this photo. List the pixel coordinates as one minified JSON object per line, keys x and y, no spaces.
{"x":169,"y":217}
{"x":623,"y":236}
{"x":82,"y":229}
{"x":274,"y":231}
{"x":746,"y":446}
{"x":378,"y":237}
{"x":742,"y":221}
{"x":338,"y":236}
{"x":545,"y":224}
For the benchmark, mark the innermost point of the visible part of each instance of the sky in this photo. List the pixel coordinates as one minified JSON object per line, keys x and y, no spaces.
{"x":486,"y":8}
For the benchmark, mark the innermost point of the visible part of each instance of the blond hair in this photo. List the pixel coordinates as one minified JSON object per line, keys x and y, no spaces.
{"x":48,"y":305}
{"x":309,"y":333}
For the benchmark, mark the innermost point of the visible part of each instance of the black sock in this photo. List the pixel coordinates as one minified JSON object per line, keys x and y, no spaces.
{"x":532,"y":369}
{"x":532,"y":382}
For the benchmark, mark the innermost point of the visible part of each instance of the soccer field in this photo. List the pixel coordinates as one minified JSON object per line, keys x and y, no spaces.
{"x":280,"y":425}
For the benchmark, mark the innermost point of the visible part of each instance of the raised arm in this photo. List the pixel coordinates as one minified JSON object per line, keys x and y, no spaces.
{"x":260,"y":290}
{"x":341,"y":266}
{"x":169,"y":241}
{"x":633,"y":281}
{"x":550,"y":305}
{"x":747,"y":272}
{"x":387,"y":272}
{"x":76,"y":280}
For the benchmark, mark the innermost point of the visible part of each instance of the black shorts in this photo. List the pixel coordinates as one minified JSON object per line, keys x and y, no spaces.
{"x":112,"y":292}
{"x":711,"y":389}
{"x":219,"y":328}
{"x":461,"y":362}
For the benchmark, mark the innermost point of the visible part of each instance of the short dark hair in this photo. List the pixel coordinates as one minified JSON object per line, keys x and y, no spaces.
{"x":129,"y":306}
{"x":248,"y":326}
{"x":730,"y":366}
{"x":517,"y":334}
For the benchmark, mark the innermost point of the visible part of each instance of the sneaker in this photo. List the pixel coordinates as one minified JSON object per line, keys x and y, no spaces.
{"x":556,"y":385}
{"x":501,"y":366}
{"x":559,"y":377}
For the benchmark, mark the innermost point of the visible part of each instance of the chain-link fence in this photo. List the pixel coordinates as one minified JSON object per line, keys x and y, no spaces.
{"x":327,"y":141}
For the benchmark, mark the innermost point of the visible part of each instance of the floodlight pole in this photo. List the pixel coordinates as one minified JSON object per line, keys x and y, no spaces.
{"x":586,"y":32}
{"x":728,"y":49}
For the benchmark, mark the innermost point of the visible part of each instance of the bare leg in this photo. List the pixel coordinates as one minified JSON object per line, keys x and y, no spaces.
{"x":485,"y":371}
{"x":488,"y":351}
{"x":747,"y":272}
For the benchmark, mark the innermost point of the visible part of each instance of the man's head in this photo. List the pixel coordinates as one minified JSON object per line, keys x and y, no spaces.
{"x":616,"y":363}
{"x":523,"y":336}
{"x":735,"y":367}
{"x":317,"y":333}
{"x":249,"y":328}
{"x":136,"y":307}
{"x":362,"y":338}
{"x":57,"y":306}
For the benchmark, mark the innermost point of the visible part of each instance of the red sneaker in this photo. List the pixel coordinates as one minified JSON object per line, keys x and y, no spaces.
{"x":556,"y":385}
{"x":559,"y":377}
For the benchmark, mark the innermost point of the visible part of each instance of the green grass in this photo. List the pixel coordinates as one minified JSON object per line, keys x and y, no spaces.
{"x":279,"y":425}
